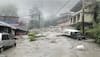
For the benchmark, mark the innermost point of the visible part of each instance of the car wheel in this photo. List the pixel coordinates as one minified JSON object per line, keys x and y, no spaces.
{"x":15,"y":44}
{"x":85,"y":38}
{"x":1,"y":50}
{"x":79,"y":38}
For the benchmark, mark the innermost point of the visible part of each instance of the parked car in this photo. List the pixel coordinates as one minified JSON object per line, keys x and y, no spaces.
{"x":6,"y":40}
{"x":76,"y":34}
{"x":68,"y":32}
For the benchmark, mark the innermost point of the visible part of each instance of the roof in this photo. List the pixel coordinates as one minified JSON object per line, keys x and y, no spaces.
{"x":72,"y":30}
{"x":6,"y":25}
{"x":10,"y":16}
{"x":77,"y":7}
{"x":22,"y":29}
{"x":11,"y":26}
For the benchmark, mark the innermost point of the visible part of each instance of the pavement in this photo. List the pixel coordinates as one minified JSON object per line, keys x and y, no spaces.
{"x":52,"y":46}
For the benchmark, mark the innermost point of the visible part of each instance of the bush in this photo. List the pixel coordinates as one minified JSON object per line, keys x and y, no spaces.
{"x":78,"y":26}
{"x":98,"y":39}
{"x":32,"y":36}
{"x":94,"y":33}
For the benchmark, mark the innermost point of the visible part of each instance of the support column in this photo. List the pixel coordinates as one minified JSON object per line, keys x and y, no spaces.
{"x":80,"y":18}
{"x":72,"y":20}
{"x":76,"y":18}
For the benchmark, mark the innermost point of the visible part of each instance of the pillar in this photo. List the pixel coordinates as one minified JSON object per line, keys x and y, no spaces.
{"x":80,"y":18}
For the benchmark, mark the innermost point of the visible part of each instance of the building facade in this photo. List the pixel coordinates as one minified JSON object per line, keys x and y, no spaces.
{"x":89,"y":8}
{"x":97,"y":11}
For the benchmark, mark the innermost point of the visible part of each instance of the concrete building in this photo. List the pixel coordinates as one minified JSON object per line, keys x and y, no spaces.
{"x":97,"y":11}
{"x":63,"y":20}
{"x":89,"y":7}
{"x":8,"y":23}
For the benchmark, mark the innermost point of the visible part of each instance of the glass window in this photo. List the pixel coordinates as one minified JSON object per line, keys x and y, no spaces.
{"x":5,"y":37}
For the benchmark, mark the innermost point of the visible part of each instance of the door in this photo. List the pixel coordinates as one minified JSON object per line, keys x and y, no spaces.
{"x":12,"y":40}
{"x":5,"y":40}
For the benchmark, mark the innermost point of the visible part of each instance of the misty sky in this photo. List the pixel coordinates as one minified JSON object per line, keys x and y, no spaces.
{"x":48,"y":7}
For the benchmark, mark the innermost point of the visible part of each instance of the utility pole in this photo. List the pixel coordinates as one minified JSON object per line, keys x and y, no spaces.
{"x":83,"y":7}
{"x":85,"y":3}
{"x":39,"y":20}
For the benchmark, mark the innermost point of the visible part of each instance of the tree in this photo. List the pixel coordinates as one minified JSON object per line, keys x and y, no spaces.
{"x":35,"y":15}
{"x":30,"y":25}
{"x":33,"y":24}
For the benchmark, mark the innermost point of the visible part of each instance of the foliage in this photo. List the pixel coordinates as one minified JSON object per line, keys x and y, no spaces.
{"x":32,"y":36}
{"x":33,"y":24}
{"x":78,"y":26}
{"x":30,"y":25}
{"x":36,"y":17}
{"x":94,"y":33}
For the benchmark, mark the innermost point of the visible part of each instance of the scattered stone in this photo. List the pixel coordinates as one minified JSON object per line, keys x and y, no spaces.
{"x":80,"y":47}
{"x":53,"y":41}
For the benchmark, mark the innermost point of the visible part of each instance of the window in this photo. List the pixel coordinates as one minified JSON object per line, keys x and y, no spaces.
{"x":5,"y":37}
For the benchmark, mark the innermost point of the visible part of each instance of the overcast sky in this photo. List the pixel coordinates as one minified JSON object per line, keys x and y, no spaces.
{"x":48,"y":7}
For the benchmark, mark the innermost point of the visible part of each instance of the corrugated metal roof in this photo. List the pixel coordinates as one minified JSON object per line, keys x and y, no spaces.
{"x":6,"y":25}
{"x":77,"y":7}
{"x":11,"y":26}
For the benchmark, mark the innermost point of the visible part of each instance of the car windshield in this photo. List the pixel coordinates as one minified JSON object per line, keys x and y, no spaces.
{"x":78,"y":33}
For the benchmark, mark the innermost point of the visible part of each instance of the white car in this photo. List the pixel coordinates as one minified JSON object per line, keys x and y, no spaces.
{"x":75,"y":34}
{"x":6,"y":40}
{"x":68,"y":32}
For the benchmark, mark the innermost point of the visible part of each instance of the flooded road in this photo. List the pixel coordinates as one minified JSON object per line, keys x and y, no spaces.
{"x":52,"y":46}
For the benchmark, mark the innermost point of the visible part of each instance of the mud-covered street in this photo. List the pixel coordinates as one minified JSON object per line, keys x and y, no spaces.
{"x":52,"y":46}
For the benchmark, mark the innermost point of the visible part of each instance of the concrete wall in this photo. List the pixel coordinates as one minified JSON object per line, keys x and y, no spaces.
{"x":88,"y":15}
{"x":98,"y":11}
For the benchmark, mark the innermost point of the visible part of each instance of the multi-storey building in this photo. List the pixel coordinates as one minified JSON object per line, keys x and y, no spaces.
{"x":89,"y":9}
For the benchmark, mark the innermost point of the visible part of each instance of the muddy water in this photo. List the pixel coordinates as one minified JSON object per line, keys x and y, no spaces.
{"x":52,"y":46}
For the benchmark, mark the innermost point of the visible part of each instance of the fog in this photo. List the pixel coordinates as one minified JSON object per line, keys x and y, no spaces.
{"x":48,"y":7}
